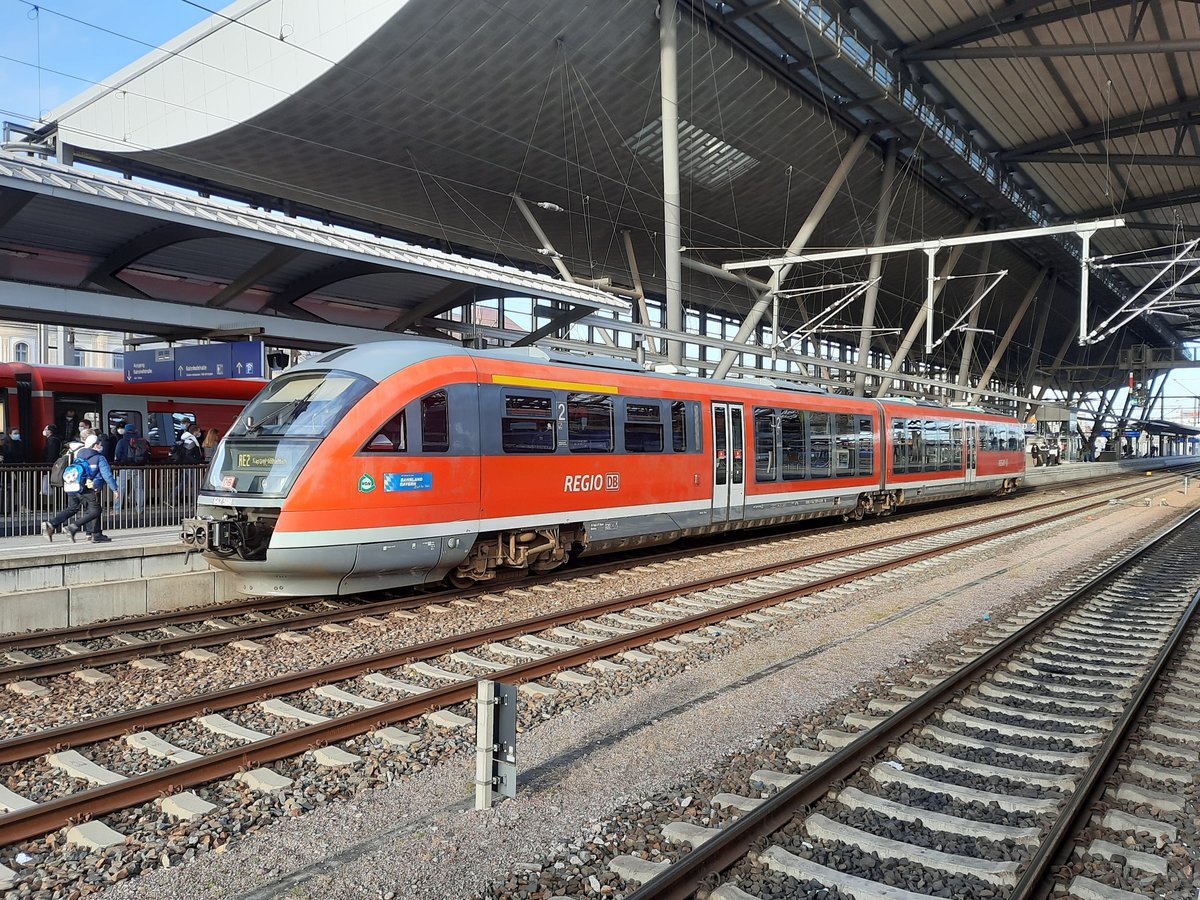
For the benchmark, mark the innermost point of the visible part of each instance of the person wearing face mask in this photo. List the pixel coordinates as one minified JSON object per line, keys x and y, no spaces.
{"x":53,"y":444}
{"x":18,"y":448}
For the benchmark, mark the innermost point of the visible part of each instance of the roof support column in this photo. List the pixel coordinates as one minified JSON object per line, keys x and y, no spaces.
{"x":1059,"y":357}
{"x":994,"y":362}
{"x":763,"y":300}
{"x":668,"y":38}
{"x":910,"y":336}
{"x":882,"y":214}
{"x":1035,"y":355}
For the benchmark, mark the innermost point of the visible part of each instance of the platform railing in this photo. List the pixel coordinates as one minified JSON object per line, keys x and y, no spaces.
{"x":151,"y":496}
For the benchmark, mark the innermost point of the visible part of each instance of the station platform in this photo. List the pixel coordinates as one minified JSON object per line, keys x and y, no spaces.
{"x":61,"y":584}
{"x":1085,"y":471}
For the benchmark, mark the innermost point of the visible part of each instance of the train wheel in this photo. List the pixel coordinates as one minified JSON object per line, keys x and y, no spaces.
{"x":459,"y":581}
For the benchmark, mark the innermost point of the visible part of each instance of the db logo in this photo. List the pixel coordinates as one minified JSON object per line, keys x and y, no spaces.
{"x":612,"y":481}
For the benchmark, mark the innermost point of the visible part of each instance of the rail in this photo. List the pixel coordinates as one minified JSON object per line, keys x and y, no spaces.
{"x":151,"y":496}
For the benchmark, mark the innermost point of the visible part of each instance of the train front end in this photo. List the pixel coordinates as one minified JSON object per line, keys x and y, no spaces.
{"x":252,"y":473}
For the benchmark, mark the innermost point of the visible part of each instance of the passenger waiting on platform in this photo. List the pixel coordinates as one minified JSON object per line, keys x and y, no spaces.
{"x":18,"y":448}
{"x":1052,"y":453}
{"x":85,"y":502}
{"x":1036,"y":452}
{"x":212,"y":437}
{"x":53,"y":444}
{"x":187,"y":452}
{"x":132,"y":450}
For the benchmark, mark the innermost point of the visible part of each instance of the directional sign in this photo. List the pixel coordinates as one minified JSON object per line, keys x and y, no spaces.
{"x":149,"y":365}
{"x":245,"y":359}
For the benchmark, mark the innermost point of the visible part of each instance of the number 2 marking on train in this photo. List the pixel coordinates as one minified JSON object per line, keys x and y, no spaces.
{"x":562,"y":412}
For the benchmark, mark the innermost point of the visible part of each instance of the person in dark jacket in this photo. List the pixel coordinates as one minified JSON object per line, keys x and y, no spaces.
{"x":18,"y":447}
{"x":85,"y":503}
{"x":53,"y":444}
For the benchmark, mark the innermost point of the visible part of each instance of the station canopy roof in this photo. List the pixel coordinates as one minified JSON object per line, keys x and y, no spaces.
{"x":426,"y":117}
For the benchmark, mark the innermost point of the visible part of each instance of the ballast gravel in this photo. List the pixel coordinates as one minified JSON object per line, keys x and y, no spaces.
{"x":416,"y":838}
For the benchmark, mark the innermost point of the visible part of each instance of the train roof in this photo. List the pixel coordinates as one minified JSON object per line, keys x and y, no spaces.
{"x":382,"y":359}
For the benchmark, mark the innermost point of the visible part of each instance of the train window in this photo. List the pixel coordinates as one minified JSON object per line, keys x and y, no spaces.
{"x":679,"y":441}
{"x":956,"y":444}
{"x":391,"y":438}
{"x":818,"y":444}
{"x":528,"y":425}
{"x":764,"y":444}
{"x":846,"y":437}
{"x":303,"y":404}
{"x":119,"y":418}
{"x":899,"y":446}
{"x":1016,"y":438}
{"x":866,"y":446}
{"x":643,"y":428}
{"x":589,"y":423}
{"x":916,"y":445}
{"x":435,"y":423}
{"x":721,"y":446}
{"x":793,"y":452}
{"x":165,"y":428}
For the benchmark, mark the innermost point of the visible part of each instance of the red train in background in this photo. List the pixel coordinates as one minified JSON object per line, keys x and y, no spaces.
{"x":33,"y":396}
{"x":406,"y":462}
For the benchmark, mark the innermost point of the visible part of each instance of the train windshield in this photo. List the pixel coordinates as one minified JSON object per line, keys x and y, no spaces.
{"x":302,"y":405}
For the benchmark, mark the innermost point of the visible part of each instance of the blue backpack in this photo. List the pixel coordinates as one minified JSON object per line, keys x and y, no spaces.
{"x":75,"y":475}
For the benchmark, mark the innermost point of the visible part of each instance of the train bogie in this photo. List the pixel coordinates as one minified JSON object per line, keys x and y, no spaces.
{"x":404,"y":463}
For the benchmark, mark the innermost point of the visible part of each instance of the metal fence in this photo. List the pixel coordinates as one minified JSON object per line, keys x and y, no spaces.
{"x":150,"y":497}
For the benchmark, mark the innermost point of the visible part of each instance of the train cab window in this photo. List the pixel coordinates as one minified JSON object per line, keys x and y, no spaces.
{"x":643,"y":427}
{"x":764,"y":444}
{"x":435,"y":423}
{"x":528,"y":424}
{"x":391,"y":438}
{"x":793,"y":450}
{"x":589,"y":423}
{"x":819,"y":444}
{"x":679,"y":437}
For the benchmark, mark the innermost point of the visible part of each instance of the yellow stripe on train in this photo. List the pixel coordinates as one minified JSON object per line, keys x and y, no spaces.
{"x":518,"y":381}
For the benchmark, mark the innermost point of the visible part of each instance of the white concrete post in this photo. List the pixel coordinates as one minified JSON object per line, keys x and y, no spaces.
{"x":485,"y":706}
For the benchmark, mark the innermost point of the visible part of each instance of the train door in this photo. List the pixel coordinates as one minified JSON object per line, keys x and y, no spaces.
{"x":972,"y":450}
{"x":83,"y":406}
{"x":729,"y":462}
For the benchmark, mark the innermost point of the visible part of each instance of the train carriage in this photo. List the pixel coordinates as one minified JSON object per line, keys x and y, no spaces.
{"x":406,"y":462}
{"x":33,"y":396}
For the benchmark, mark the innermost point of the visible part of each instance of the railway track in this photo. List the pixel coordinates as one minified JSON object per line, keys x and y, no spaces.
{"x":266,"y":721}
{"x":55,"y":652}
{"x":1009,"y":773}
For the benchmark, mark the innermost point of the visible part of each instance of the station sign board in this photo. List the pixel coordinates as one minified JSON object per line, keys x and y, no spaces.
{"x":243,"y":359}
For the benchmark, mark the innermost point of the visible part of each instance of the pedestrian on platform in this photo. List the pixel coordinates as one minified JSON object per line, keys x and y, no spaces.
{"x":84,"y":501}
{"x":187,"y":452}
{"x":1036,"y":452}
{"x":212,"y":437}
{"x":131,"y":455}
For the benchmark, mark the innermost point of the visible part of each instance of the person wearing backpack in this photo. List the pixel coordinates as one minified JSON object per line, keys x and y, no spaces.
{"x":82,"y":479}
{"x":132,"y":450}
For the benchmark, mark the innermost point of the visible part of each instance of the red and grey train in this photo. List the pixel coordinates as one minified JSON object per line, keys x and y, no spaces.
{"x":32,"y":397}
{"x":407,"y":462}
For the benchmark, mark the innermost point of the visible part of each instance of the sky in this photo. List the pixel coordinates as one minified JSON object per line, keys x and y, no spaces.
{"x":50,"y":52}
